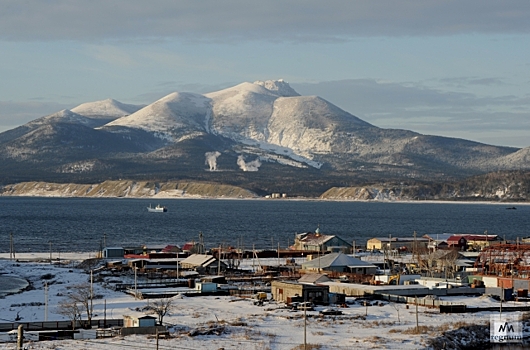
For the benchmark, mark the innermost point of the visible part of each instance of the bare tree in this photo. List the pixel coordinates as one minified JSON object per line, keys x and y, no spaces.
{"x":161,"y":307}
{"x":81,"y":295}
{"x":449,"y":263}
{"x":69,"y":309}
{"x":396,"y":306}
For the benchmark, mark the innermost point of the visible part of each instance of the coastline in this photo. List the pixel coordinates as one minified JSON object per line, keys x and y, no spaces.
{"x":292,"y":199}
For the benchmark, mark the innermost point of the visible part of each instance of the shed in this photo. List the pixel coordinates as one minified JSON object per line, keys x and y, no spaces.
{"x":206,"y":287}
{"x":284,"y":291}
{"x":139,"y":321}
{"x":113,"y":252}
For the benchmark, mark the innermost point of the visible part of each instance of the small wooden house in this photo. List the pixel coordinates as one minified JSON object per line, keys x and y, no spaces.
{"x":139,"y":321}
{"x":203,"y":264}
{"x":283,"y":291}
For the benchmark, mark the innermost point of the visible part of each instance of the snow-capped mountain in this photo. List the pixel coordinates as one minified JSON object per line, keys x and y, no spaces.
{"x":265,"y":123}
{"x":105,"y":109}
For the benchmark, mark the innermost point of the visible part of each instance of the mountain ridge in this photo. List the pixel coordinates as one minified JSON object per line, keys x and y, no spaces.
{"x":264,"y":135}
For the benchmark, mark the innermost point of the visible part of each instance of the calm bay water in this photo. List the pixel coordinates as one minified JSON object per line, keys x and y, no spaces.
{"x":80,"y":224}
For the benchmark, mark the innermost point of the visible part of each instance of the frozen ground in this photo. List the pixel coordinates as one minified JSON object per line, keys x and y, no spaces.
{"x":235,"y":323}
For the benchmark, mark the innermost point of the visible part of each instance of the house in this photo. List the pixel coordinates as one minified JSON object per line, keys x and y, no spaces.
{"x":396,"y":243}
{"x":471,"y":242}
{"x":317,"y":242}
{"x":203,"y":264}
{"x":437,"y":241}
{"x":285,"y":291}
{"x":139,"y":321}
{"x":339,"y":262}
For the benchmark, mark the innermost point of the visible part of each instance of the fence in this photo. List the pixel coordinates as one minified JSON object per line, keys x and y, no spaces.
{"x":427,"y":302}
{"x":57,"y":325}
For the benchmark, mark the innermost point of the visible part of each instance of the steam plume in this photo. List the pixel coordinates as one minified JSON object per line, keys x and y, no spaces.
{"x":250,"y":166}
{"x":211,"y":160}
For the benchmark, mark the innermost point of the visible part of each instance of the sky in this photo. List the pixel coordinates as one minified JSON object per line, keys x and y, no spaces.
{"x":438,"y":67}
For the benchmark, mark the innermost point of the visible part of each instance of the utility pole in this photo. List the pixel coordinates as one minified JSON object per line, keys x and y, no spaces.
{"x":45,"y":301}
{"x":20,"y":337}
{"x":91,"y":295}
{"x":50,"y":252}
{"x":219,"y":261}
{"x":305,"y":323}
{"x":417,"y":322}
{"x":278,"y":256}
{"x":11,"y":247}
{"x":178,"y":267}
{"x":135,"y":283}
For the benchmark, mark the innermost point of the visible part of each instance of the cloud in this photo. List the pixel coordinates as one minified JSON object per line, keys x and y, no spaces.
{"x":501,"y":119}
{"x":110,"y":54}
{"x":287,"y":20}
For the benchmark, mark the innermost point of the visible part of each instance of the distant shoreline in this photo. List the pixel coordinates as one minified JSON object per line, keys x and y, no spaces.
{"x":309,"y":199}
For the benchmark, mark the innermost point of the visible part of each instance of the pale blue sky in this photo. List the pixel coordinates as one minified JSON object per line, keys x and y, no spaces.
{"x":450,"y":68}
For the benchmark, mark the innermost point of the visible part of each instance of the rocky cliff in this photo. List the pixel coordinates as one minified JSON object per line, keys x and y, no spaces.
{"x":131,"y":189}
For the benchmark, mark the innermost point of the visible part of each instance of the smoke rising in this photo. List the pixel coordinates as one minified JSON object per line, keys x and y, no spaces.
{"x":250,"y":166}
{"x":211,"y":159}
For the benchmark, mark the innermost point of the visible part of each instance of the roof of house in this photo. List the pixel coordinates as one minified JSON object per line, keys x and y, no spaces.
{"x":198,"y":259}
{"x":400,"y":239}
{"x":336,"y":260}
{"x":189,"y":246}
{"x":439,"y":237}
{"x":171,"y":248}
{"x":313,"y":278}
{"x":456,"y":238}
{"x":314,"y":238}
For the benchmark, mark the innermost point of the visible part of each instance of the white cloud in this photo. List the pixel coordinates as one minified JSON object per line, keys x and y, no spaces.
{"x":502,"y":120}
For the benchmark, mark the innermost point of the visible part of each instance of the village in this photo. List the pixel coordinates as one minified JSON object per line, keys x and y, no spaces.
{"x":319,"y":275}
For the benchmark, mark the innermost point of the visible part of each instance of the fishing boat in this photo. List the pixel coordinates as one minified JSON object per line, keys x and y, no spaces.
{"x":157,"y":209}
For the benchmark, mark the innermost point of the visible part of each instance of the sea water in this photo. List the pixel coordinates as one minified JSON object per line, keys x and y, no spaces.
{"x":87,"y":224}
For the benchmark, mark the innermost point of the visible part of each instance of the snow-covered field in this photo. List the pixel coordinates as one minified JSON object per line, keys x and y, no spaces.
{"x":235,"y":323}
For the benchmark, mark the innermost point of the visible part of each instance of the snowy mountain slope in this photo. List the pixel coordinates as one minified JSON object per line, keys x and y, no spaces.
{"x":171,"y":117}
{"x":242,"y":112}
{"x":265,"y":122}
{"x":106,"y":109}
{"x":309,"y":124}
{"x":65,"y":116}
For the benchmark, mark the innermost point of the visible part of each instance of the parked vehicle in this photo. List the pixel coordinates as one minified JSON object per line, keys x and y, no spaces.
{"x":259,"y":298}
{"x":330,"y":312}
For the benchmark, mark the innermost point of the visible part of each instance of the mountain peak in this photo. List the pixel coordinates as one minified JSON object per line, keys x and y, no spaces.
{"x":280,"y":87}
{"x":106,"y":108}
